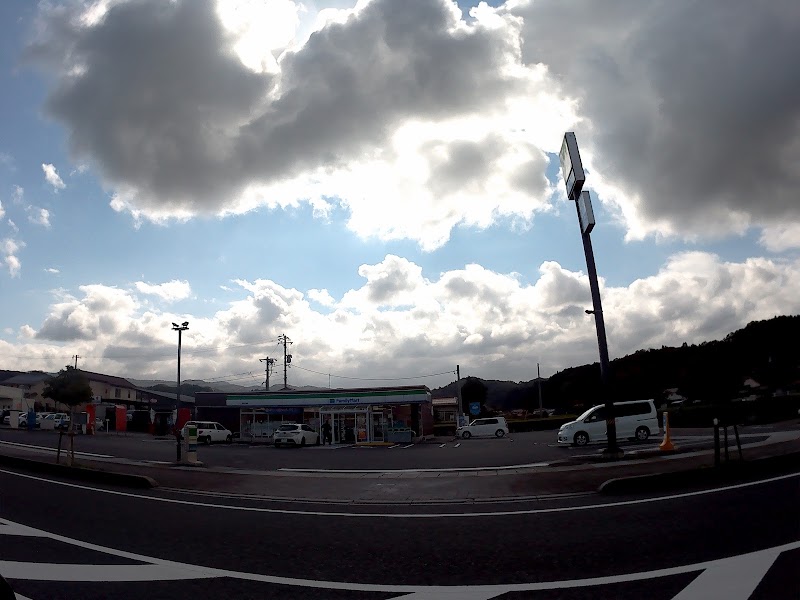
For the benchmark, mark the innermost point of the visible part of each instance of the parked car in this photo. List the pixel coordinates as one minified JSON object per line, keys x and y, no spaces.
{"x":23,"y":420}
{"x":635,"y":420}
{"x":294,"y":434}
{"x":208,"y":432}
{"x":495,"y":426}
{"x":59,"y":420}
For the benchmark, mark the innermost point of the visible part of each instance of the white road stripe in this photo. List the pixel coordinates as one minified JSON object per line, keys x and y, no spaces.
{"x":442,"y":470}
{"x":52,"y":450}
{"x":733,"y":579}
{"x":442,"y":445}
{"x":395,"y":446}
{"x":171,"y":570}
{"x":457,"y":445}
{"x":286,"y":511}
{"x":404,"y":447}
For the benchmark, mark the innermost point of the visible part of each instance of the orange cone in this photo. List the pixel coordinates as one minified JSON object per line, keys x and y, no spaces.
{"x":666,"y":445}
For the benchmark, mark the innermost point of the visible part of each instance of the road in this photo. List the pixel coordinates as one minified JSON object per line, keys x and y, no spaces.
{"x":70,"y":540}
{"x":516,"y":449}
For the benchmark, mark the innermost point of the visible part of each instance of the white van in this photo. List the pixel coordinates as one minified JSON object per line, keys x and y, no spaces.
{"x":495,"y":426}
{"x":635,"y":420}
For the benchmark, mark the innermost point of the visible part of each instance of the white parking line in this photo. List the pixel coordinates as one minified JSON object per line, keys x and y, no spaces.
{"x":442,"y":445}
{"x":404,"y":447}
{"x":457,"y":445}
{"x":395,"y":446}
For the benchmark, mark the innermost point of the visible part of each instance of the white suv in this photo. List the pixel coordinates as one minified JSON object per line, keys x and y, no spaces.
{"x":208,"y":432}
{"x":637,"y":420}
{"x":495,"y":426}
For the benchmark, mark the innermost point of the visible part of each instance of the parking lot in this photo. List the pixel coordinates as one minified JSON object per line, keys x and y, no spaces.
{"x":443,"y":453}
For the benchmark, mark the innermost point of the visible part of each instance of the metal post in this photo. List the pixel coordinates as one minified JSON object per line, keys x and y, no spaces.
{"x":738,"y":441}
{"x":727,"y":457}
{"x":613,"y":448}
{"x":459,"y":408}
{"x":716,"y":443}
{"x":178,"y":402}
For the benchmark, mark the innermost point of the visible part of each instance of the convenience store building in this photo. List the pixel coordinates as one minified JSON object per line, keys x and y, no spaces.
{"x":363,"y":415}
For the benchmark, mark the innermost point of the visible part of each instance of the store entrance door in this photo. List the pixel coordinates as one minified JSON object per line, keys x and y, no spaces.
{"x":378,"y":427}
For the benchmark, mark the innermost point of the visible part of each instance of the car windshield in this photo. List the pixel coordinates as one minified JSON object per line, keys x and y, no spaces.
{"x":585,"y":414}
{"x":287,"y":428}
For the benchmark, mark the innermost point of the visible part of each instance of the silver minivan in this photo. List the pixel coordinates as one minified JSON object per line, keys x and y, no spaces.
{"x":635,"y":420}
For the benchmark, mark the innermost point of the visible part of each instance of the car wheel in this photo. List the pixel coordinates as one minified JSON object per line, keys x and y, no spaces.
{"x":303,"y":441}
{"x":465,"y":435}
{"x":229,"y":439}
{"x":581,"y":439}
{"x":642,"y":433}
{"x":207,"y":441}
{"x":499,"y":433}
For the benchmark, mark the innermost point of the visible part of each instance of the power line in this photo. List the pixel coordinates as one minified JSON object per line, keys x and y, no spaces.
{"x":373,"y":378}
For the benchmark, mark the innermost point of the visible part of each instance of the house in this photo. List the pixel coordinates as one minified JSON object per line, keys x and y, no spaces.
{"x":11,"y":398}
{"x":32,"y":385}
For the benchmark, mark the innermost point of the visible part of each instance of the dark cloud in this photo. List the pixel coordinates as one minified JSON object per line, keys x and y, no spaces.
{"x":694,"y":106}
{"x":173,"y":120}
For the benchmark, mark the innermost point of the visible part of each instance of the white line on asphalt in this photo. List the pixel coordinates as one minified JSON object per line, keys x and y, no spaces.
{"x":442,"y":470}
{"x":160,"y":569}
{"x":54,"y":450}
{"x":404,"y":447}
{"x":457,"y":445}
{"x":314,"y":513}
{"x":395,"y":446}
{"x":442,"y":445}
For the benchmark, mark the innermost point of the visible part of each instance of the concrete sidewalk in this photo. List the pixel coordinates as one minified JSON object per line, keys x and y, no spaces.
{"x":583,"y":474}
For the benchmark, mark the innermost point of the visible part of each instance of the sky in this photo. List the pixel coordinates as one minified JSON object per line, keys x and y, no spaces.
{"x":379,"y":181}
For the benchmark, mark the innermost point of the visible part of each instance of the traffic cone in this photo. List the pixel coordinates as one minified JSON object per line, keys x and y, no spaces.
{"x":666,"y":445}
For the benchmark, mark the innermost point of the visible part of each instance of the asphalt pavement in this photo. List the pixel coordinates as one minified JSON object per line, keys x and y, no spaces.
{"x":62,"y":539}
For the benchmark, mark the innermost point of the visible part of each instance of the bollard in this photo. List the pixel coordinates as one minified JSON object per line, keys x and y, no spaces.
{"x":727,"y":457}
{"x":716,"y":443}
{"x":666,"y":445}
{"x":191,"y":445}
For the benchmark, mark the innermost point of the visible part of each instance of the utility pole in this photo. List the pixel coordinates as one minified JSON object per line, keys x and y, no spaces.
{"x":270,"y":362}
{"x":76,"y":357}
{"x":287,"y":358}
{"x":458,"y":393}
{"x":539,"y":385}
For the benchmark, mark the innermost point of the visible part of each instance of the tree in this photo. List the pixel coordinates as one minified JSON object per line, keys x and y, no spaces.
{"x":70,"y":388}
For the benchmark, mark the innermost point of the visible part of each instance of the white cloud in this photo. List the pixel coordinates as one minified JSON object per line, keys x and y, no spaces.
{"x":17,"y":195}
{"x":10,"y":247}
{"x":52,"y":177}
{"x":493,"y":324}
{"x":781,"y":237}
{"x":39,"y":216}
{"x":169,"y":291}
{"x":13,"y":226}
{"x":2,"y":210}
{"x":52,"y":271}
{"x":322,"y":297}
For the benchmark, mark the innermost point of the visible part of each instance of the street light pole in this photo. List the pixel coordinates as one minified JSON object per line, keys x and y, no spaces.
{"x":574,"y":178}
{"x":180,"y":329}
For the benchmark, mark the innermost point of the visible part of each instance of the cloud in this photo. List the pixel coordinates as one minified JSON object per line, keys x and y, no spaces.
{"x":411,"y":118}
{"x":52,"y":271}
{"x":52,"y":177}
{"x":39,"y":216}
{"x":781,"y":237}
{"x":493,"y":324}
{"x":169,"y":291}
{"x":13,"y":226}
{"x":9,"y":248}
{"x":17,"y":194}
{"x":7,"y":161}
{"x":322,"y":297}
{"x":691,"y":126}
{"x":2,"y":211}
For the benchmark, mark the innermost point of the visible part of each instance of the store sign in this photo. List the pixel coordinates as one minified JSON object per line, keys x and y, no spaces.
{"x":344,"y":400}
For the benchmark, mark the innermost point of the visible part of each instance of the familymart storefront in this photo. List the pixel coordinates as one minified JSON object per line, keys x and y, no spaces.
{"x":356,"y":416}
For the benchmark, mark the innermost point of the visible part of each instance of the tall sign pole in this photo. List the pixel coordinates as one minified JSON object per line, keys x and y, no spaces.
{"x":574,"y":178}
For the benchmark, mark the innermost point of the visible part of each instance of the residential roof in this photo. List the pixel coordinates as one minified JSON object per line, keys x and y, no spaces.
{"x":27,"y":378}
{"x":109,"y":379}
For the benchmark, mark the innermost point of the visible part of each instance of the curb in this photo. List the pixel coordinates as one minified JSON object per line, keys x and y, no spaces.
{"x":737,"y":471}
{"x":80,"y":473}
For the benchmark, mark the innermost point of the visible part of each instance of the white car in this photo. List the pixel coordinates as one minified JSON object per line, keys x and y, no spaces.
{"x":294,"y":434}
{"x":495,"y":426}
{"x":636,"y":420}
{"x":23,"y":420}
{"x":209,"y":432}
{"x":59,"y":420}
